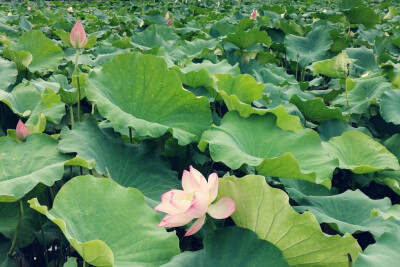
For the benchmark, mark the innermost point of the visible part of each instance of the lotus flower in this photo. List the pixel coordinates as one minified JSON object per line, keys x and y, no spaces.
{"x":21,"y":131}
{"x":29,"y":8}
{"x":77,"y":36}
{"x":3,"y":36}
{"x":70,"y":9}
{"x":169,"y":22}
{"x":47,"y":8}
{"x":254,"y":14}
{"x":167,"y":15}
{"x":194,"y":201}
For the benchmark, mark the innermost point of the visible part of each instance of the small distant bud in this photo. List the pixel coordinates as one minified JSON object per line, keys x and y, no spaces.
{"x":29,"y":8}
{"x":167,"y":15}
{"x":70,"y":9}
{"x":254,"y":14}
{"x":48,"y":8}
{"x":169,"y":22}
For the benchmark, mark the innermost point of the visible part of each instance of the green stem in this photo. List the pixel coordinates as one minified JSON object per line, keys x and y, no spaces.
{"x":297,"y":66}
{"x":71,"y":112}
{"x":84,"y":263}
{"x":21,"y":215}
{"x":211,"y":222}
{"x":44,"y":241}
{"x":77,"y":80}
{"x":130,"y":135}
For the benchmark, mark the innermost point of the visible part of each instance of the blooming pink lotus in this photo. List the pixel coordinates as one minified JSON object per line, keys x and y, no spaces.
{"x":194,"y":201}
{"x":77,"y":36}
{"x":47,"y":8}
{"x":167,"y":15}
{"x":254,"y":14}
{"x":21,"y":131}
{"x":169,"y":22}
{"x":29,"y":8}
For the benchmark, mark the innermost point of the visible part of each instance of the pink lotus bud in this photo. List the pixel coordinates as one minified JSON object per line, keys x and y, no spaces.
{"x":119,"y":28}
{"x":48,"y":8}
{"x":3,"y":36}
{"x":70,"y":9}
{"x":351,"y":34}
{"x":29,"y":8}
{"x":21,"y":131}
{"x":77,"y":37}
{"x":88,"y":9}
{"x":193,"y":202}
{"x":169,"y":22}
{"x":167,"y":15}
{"x":254,"y":14}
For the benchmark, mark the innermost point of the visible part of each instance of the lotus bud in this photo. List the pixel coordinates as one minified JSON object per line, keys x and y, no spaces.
{"x":70,"y":9}
{"x":351,"y":34}
{"x":77,"y":36}
{"x":254,"y":14}
{"x":119,"y":28}
{"x":48,"y":8}
{"x":21,"y":131}
{"x":29,"y":8}
{"x":169,"y":22}
{"x":167,"y":15}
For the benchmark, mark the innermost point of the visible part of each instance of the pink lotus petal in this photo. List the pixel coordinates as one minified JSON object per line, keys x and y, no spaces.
{"x":254,"y":14}
{"x":171,"y":205}
{"x":198,"y":207}
{"x":213,"y":187}
{"x":222,"y":209}
{"x":196,"y":226}
{"x":174,"y":220}
{"x":194,"y":181}
{"x":77,"y":37}
{"x":21,"y":130}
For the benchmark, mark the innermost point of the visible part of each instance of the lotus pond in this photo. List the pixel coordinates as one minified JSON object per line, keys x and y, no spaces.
{"x":200,"y":133}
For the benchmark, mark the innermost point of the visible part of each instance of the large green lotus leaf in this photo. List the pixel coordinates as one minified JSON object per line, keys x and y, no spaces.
{"x":266,"y":211}
{"x":332,"y":128}
{"x":385,"y":252}
{"x":365,"y":93}
{"x":390,"y":108}
{"x":134,"y":90}
{"x":360,"y":153}
{"x":26,"y":100}
{"x":197,"y":46}
{"x":362,"y":15}
{"x":156,"y":35}
{"x":335,"y":67}
{"x":109,"y":225}
{"x":8,"y":73}
{"x":271,"y":73}
{"x":139,"y":166}
{"x":244,"y":39}
{"x":26,"y":164}
{"x":223,"y":245}
{"x":313,"y":47}
{"x":194,"y":78}
{"x":46,"y":55}
{"x":316,"y":109}
{"x":222,"y":67}
{"x":244,"y":86}
{"x":22,"y":58}
{"x":258,"y":141}
{"x":363,"y":60}
{"x":393,"y":212}
{"x":344,"y":212}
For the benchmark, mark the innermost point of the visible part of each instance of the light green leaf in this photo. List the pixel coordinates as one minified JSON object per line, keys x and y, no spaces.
{"x":345,"y":214}
{"x":267,"y":212}
{"x":244,"y":86}
{"x":109,"y":225}
{"x":316,"y":109}
{"x":313,"y":47}
{"x":360,"y":153}
{"x":335,"y":67}
{"x":259,"y":142}
{"x":223,"y":245}
{"x":139,"y":166}
{"x":362,"y":15}
{"x":45,"y":54}
{"x":134,"y":90}
{"x":22,"y":58}
{"x":390,"y":109}
{"x":8,"y":73}
{"x":384,"y":252}
{"x":26,"y":164}
{"x":244,"y":39}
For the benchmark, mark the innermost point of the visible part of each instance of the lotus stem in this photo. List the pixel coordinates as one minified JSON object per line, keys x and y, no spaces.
{"x":14,"y":242}
{"x":77,"y":80}
{"x":297,"y":65}
{"x":44,"y":241}
{"x":71,"y":112}
{"x":130,"y":135}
